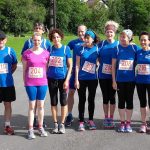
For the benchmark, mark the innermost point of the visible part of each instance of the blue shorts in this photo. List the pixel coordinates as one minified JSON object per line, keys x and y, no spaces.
{"x":36,"y":92}
{"x":72,"y":80}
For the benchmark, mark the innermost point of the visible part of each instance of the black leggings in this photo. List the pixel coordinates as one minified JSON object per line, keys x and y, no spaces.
{"x":54,"y":85}
{"x":91,"y":85}
{"x":125,"y":94}
{"x":108,"y":92}
{"x":141,"y":90}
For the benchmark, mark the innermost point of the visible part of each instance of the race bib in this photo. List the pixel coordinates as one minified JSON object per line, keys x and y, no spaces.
{"x":143,"y":69}
{"x":107,"y":69}
{"x":35,"y":72}
{"x":126,"y":65}
{"x":89,"y":67}
{"x":3,"y":68}
{"x":56,"y":61}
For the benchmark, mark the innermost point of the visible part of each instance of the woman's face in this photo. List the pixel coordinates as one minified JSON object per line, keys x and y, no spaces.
{"x":2,"y":43}
{"x":37,"y":40}
{"x":110,"y":34}
{"x":56,"y":39}
{"x":88,"y":40}
{"x":39,"y":29}
{"x":124,"y":40}
{"x":81,"y":32}
{"x":144,"y":41}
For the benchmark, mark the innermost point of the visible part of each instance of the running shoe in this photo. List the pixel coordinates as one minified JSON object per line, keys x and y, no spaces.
{"x":91,"y":125}
{"x":128,"y":128}
{"x":111,"y":123}
{"x":106,"y":122}
{"x":31,"y":134}
{"x":42,"y":132}
{"x":69,"y":120}
{"x":61,"y":129}
{"x":121,"y":128}
{"x":9,"y":130}
{"x":81,"y":126}
{"x":55,"y":129}
{"x":143,"y":128}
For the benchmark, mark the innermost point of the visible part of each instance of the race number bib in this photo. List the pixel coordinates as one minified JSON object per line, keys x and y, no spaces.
{"x":107,"y":69}
{"x":89,"y":67}
{"x":56,"y":61}
{"x":35,"y":72}
{"x":143,"y":69}
{"x":126,"y":65}
{"x":3,"y":68}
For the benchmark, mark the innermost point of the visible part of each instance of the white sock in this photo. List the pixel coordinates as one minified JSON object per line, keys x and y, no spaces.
{"x":7,"y":123}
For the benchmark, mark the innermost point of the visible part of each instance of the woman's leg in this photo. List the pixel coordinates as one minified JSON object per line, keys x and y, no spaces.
{"x":121,"y":101}
{"x":53,"y":90}
{"x":82,"y":99}
{"x":141,"y":90}
{"x":129,"y":100}
{"x":92,"y":86}
{"x":31,"y":113}
{"x":63,"y":101}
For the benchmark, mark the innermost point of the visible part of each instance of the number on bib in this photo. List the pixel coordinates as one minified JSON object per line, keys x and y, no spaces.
{"x":89,"y":67}
{"x":56,"y":61}
{"x":3,"y":68}
{"x":126,"y":65}
{"x":35,"y":72}
{"x":107,"y":69}
{"x":143,"y":69}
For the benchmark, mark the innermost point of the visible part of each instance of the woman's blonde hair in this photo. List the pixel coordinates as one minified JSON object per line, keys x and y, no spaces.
{"x":112,"y":24}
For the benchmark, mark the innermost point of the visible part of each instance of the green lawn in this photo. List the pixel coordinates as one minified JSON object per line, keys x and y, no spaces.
{"x":18,"y":42}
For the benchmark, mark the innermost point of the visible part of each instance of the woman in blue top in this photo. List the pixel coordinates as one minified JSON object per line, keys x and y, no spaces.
{"x":143,"y":77}
{"x":86,"y":77}
{"x":106,"y":49}
{"x":8,"y":65}
{"x":123,"y":75}
{"x":59,"y":72}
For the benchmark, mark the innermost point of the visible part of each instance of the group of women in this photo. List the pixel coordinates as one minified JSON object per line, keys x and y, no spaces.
{"x":116,"y":65}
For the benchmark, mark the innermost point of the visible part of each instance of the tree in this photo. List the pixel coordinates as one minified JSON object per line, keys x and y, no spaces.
{"x":136,"y":15}
{"x":98,"y":16}
{"x":18,"y":16}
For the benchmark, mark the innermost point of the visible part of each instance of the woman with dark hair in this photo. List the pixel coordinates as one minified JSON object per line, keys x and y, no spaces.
{"x":59,"y":72}
{"x":143,"y":77}
{"x":86,"y":77}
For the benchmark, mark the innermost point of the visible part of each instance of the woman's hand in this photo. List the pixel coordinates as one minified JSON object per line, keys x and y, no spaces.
{"x":114,"y":85}
{"x":77,"y":84}
{"x":66,"y":85}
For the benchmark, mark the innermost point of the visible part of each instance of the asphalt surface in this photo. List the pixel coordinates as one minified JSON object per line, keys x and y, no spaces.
{"x":100,"y":139}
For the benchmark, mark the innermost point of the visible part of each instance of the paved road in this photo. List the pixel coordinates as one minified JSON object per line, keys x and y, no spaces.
{"x":100,"y":139}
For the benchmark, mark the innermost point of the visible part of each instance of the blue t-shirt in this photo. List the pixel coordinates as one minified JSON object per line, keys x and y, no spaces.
{"x":125,"y":67}
{"x":74,"y":45}
{"x":106,"y":50}
{"x":88,"y":59}
{"x":45,"y":44}
{"x":58,"y":62}
{"x":143,"y":67}
{"x":7,"y":59}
